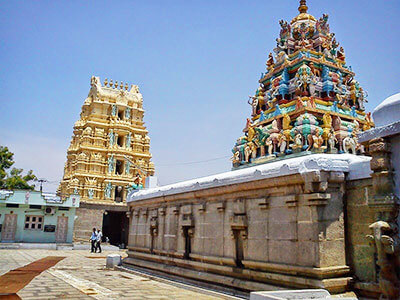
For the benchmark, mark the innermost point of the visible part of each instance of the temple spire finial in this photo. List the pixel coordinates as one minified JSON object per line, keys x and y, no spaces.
{"x":303,"y":8}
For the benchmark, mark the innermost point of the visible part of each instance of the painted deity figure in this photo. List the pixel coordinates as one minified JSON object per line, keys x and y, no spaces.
{"x":111,"y":137}
{"x":362,"y":97}
{"x":298,"y":140}
{"x":283,"y":35}
{"x":107,"y":190}
{"x":236,"y":157}
{"x":137,"y":180}
{"x":341,"y":54}
{"x":128,"y":140}
{"x":270,"y":145}
{"x":282,"y":144}
{"x":253,"y":101}
{"x":270,"y":62}
{"x":322,"y":25}
{"x":281,"y":57}
{"x":114,"y":110}
{"x":332,"y":140}
{"x":286,"y":122}
{"x":315,"y":70}
{"x":327,"y":120}
{"x":304,"y":78}
{"x":275,"y":126}
{"x":356,"y":127}
{"x":127,"y":167}
{"x":111,"y":164}
{"x":247,"y":153}
{"x":253,"y":148}
{"x":317,"y":140}
{"x":251,"y":134}
{"x":90,"y":193}
{"x":128,"y":113}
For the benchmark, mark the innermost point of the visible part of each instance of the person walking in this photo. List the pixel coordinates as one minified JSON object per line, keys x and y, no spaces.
{"x":98,"y":241}
{"x":93,"y":240}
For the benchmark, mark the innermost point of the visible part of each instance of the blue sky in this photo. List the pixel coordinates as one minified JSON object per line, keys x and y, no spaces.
{"x":194,"y":61}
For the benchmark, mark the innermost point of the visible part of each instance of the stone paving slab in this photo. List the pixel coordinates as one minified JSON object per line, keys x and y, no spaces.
{"x":80,"y":277}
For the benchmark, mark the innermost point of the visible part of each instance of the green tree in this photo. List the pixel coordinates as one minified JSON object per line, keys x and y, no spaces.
{"x":14,"y":179}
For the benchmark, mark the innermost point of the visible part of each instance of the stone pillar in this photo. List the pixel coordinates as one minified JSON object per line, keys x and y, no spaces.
{"x":384,"y":202}
{"x":385,"y":205}
{"x":321,"y":219}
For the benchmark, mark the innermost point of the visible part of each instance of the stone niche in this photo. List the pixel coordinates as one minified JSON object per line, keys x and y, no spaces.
{"x":282,"y":224}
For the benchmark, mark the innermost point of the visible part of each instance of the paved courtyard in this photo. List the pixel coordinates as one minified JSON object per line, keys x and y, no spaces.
{"x":82,"y":275}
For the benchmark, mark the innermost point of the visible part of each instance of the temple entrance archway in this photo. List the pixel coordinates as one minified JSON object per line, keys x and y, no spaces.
{"x":115,"y":227}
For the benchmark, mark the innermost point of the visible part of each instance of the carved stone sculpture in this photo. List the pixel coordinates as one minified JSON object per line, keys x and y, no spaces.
{"x":111,"y":136}
{"x":247,"y":153}
{"x":384,"y":247}
{"x":349,"y":144}
{"x":111,"y":163}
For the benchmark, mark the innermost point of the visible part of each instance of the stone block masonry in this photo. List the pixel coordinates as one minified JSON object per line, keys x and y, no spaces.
{"x":275,"y":225}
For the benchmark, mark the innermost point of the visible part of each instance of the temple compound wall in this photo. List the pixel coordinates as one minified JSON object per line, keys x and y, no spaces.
{"x":298,"y":223}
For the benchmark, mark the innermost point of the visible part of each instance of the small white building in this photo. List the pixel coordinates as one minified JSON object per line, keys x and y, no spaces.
{"x":35,"y":217}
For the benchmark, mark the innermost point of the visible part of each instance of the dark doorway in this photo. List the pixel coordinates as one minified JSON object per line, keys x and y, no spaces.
{"x":238,"y":247}
{"x":119,"y":168}
{"x":188,"y":242}
{"x":120,"y":140}
{"x":115,"y":227}
{"x":121,"y":114}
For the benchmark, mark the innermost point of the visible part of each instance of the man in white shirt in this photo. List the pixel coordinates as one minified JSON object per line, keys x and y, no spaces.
{"x":93,"y":239}
{"x":98,"y":240}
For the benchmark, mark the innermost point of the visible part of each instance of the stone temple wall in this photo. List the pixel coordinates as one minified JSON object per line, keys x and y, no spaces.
{"x":86,"y":219}
{"x":281,"y":231}
{"x":359,"y":216}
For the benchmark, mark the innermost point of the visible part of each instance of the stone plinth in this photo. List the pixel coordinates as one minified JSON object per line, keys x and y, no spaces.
{"x":113,"y":260}
{"x":295,"y":294}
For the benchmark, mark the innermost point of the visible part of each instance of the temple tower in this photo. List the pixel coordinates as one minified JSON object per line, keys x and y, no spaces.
{"x":109,"y":154}
{"x":308,"y":100}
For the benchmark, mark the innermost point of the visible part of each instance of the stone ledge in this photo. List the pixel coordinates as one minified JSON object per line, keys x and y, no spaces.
{"x":380,"y":132}
{"x":219,"y":280}
{"x":320,"y":273}
{"x":192,"y":268}
{"x":326,"y":272}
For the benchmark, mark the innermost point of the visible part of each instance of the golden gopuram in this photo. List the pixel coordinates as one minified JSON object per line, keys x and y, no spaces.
{"x":109,"y":156}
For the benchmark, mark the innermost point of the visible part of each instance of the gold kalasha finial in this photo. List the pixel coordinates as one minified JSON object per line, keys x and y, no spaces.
{"x":303,"y":7}
{"x":111,"y":83}
{"x":105,"y":82}
{"x":121,"y":85}
{"x":116,"y":84}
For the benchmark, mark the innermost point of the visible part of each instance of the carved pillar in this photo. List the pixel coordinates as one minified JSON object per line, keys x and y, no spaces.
{"x":384,"y":202}
{"x":385,"y":231}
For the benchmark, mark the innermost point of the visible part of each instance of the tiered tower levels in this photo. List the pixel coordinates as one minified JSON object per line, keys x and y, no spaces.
{"x":308,"y":100}
{"x":109,"y":152}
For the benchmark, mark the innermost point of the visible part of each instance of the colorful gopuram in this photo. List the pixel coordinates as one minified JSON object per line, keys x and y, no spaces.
{"x":109,"y":154}
{"x":308,"y":100}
